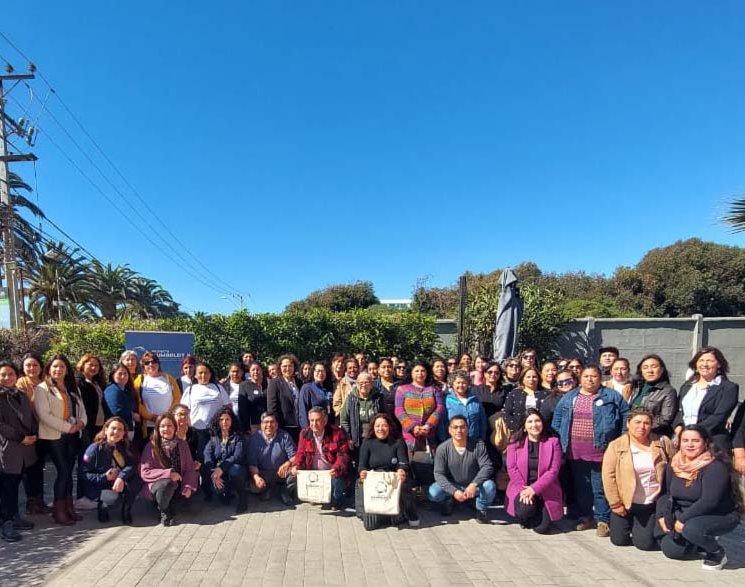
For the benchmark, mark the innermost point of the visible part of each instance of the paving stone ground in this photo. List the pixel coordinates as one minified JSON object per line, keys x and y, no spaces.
{"x":273,"y":546}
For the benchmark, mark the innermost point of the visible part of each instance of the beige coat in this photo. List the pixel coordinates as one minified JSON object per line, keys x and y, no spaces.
{"x":619,"y":479}
{"x":50,"y":408}
{"x":343,"y":388}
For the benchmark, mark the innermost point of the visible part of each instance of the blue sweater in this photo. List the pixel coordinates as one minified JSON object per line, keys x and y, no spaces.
{"x":269,"y":455}
{"x":118,"y":402}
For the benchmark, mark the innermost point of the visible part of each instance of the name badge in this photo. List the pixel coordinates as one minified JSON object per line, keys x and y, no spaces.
{"x":599,"y":402}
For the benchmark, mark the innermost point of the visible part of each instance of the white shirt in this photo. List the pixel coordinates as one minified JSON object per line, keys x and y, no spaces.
{"x":530,"y":401}
{"x":156,"y":394}
{"x":692,"y":401}
{"x":204,"y":401}
{"x":233,"y":395}
{"x":647,"y":485}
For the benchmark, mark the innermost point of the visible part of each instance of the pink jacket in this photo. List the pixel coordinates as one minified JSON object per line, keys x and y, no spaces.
{"x":151,"y":470}
{"x":547,"y":484}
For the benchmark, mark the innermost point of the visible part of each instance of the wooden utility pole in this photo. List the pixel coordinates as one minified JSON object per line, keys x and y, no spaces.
{"x":462,"y":301}
{"x":8,"y":215}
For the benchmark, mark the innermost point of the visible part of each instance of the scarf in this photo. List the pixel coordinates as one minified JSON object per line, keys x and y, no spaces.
{"x":689,"y":470}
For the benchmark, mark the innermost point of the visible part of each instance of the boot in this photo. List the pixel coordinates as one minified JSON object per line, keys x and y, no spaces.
{"x":60,"y":514}
{"x":126,"y":513}
{"x":70,"y":504}
{"x":242,"y":506}
{"x":103,"y":513}
{"x":34,"y":506}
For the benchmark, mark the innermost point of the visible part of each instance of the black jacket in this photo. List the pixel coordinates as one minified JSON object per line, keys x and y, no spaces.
{"x":738,"y":428}
{"x":514,"y":406}
{"x":90,"y":399}
{"x":714,"y":411}
{"x":251,"y":404}
{"x":282,"y":403}
{"x":16,"y":422}
{"x":493,"y":402}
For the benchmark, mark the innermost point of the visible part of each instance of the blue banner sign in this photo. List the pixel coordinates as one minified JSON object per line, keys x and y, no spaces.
{"x":171,"y":347}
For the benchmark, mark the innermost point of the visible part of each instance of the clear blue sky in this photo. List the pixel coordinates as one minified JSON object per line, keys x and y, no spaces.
{"x":292,"y":145}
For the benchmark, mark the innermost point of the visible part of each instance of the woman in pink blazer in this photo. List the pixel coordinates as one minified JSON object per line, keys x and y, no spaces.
{"x":533,"y":462}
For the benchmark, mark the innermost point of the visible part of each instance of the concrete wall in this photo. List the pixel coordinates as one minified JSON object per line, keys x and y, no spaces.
{"x":674,"y":339}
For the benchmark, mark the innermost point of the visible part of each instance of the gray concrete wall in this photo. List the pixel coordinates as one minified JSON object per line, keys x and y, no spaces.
{"x":674,"y":339}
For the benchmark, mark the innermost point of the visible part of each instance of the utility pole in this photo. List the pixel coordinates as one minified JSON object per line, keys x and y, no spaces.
{"x":9,"y":125}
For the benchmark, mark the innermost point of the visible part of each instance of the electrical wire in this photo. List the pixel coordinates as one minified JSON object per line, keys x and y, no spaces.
{"x":228,"y":289}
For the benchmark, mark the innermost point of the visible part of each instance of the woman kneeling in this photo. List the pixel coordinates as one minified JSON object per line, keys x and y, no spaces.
{"x":111,"y":471}
{"x":633,"y":475}
{"x":698,"y":505}
{"x":384,"y":450}
{"x":167,"y":468}
{"x":533,"y":463}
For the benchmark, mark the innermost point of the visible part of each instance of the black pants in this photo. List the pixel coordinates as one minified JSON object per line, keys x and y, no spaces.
{"x":164,"y":492}
{"x":637,"y":527}
{"x":127,"y":497}
{"x":407,"y":506}
{"x":203,"y":438}
{"x":273,"y":480}
{"x":63,"y":453}
{"x":33,"y":476}
{"x":700,"y":532}
{"x":533,"y":515}
{"x":9,"y":484}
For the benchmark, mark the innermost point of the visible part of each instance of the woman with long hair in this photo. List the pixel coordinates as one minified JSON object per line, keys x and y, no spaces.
{"x":18,"y":435}
{"x":167,"y":468}
{"x":533,"y":462}
{"x":224,"y":459}
{"x":698,"y":505}
{"x":528,"y":394}
{"x":62,"y":416}
{"x":33,"y":476}
{"x":110,"y":469}
{"x":652,"y":391}
{"x":708,"y":397}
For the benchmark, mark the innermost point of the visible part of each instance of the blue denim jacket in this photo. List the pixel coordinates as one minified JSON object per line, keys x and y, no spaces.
{"x":609,"y":414}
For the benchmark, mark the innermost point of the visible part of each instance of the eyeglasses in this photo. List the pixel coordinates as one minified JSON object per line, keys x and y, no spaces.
{"x":149,"y":362}
{"x":564,"y":382}
{"x":452,"y":363}
{"x":492,"y":372}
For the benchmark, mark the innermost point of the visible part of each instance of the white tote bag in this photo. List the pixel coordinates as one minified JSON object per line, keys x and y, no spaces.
{"x":382,"y":492}
{"x":314,"y":486}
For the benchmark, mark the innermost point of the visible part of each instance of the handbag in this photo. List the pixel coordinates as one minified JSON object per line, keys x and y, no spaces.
{"x":501,"y":435}
{"x":314,"y":486}
{"x":382,"y":493}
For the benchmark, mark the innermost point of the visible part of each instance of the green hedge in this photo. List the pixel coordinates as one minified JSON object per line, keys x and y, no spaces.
{"x":220,"y":339}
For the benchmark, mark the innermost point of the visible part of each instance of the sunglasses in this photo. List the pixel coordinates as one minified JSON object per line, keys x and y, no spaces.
{"x":564,"y":382}
{"x":492,"y":372}
{"x":453,"y":364}
{"x":150,"y":362}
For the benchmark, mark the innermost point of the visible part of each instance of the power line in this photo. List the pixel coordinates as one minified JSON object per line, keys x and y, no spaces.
{"x":229,"y":287}
{"x":124,"y":214}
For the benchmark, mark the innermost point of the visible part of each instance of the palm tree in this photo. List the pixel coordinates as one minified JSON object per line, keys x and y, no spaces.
{"x":736,"y":215}
{"x":26,"y":236}
{"x":151,"y":300}
{"x":59,"y":286}
{"x":113,"y":287}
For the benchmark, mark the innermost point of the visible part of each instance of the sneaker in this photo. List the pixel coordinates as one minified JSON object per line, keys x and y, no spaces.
{"x":83,"y":503}
{"x":446,"y":509}
{"x":9,"y":533}
{"x":603,"y":530}
{"x":413,"y":519}
{"x":166,"y":519}
{"x":584,"y":524}
{"x":482,"y":517}
{"x":714,"y":561}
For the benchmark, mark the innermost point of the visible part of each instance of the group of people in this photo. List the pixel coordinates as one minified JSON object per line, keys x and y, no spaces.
{"x":626,"y":454}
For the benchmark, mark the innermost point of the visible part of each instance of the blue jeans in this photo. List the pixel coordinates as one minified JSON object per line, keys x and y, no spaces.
{"x":702,"y":532}
{"x":588,"y":490}
{"x":234,"y":478}
{"x":487,"y":491}
{"x":337,"y":490}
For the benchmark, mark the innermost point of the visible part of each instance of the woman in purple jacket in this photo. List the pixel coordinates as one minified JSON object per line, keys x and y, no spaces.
{"x":533,"y":462}
{"x":167,"y":469}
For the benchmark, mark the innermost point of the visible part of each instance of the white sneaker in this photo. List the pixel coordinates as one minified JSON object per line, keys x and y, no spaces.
{"x":84,"y":503}
{"x":414,"y":523}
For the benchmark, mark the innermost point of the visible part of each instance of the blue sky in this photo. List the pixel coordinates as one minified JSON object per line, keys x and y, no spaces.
{"x":292,"y":145}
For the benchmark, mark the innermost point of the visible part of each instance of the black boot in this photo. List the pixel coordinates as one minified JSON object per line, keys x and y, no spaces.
{"x":103,"y":513}
{"x":127,"y":514}
{"x":242,"y":506}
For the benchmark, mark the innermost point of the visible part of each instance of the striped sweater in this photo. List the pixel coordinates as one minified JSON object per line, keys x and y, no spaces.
{"x":417,"y":406}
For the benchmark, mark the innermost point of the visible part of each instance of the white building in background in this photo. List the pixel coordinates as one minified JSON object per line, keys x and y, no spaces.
{"x":397,"y":303}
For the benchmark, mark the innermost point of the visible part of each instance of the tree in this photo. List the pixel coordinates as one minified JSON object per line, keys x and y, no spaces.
{"x":736,"y":215}
{"x":115,"y":287}
{"x":26,"y":236}
{"x":338,"y":298}
{"x":693,"y":276}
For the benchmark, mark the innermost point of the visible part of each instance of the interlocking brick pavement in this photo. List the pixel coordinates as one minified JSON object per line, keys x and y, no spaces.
{"x":307,"y":546}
